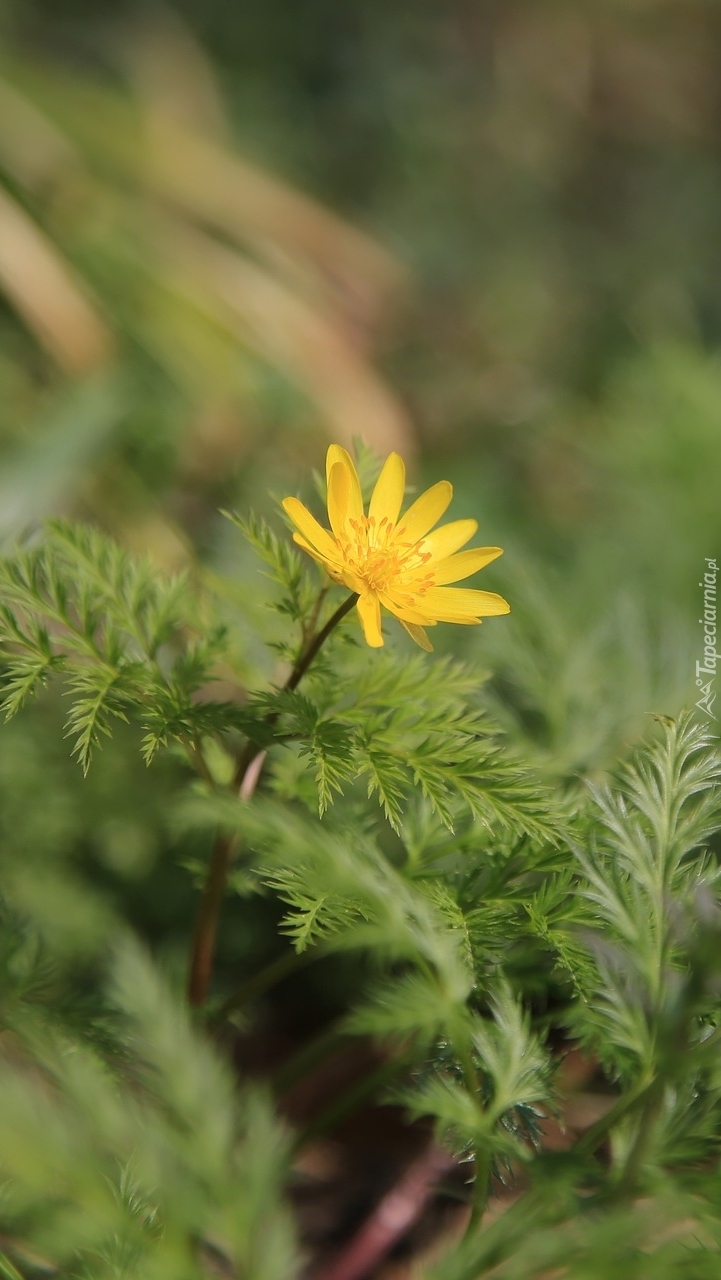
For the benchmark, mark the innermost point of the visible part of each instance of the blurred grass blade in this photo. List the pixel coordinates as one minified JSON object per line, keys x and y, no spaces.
{"x":172,"y":72}
{"x":305,"y":341}
{"x":40,"y":478}
{"x":43,"y":289}
{"x":234,"y":196}
{"x":272,"y":270}
{"x":7,"y":1270}
{"x":31,"y":146}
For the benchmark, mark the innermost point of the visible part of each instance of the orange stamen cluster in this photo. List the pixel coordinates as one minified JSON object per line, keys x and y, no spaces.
{"x":380,"y":557}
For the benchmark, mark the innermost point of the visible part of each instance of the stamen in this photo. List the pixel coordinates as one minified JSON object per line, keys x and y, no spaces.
{"x":376,"y":553}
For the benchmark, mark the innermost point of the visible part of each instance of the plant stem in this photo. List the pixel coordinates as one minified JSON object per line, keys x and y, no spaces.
{"x":637,"y":1154}
{"x":481,"y":1158}
{"x":307,"y":1057}
{"x":309,"y":628}
{"x":316,"y":643}
{"x":247,"y":775}
{"x":481,"y":1184}
{"x":389,"y":1220}
{"x":199,"y":763}
{"x":594,"y":1136}
{"x":201,"y":963}
{"x":353,"y":1098}
{"x":283,"y":965}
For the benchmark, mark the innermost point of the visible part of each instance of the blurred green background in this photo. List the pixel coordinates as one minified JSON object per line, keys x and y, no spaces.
{"x":486,"y":233}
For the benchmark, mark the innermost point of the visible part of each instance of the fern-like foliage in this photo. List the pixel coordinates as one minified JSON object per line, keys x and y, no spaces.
{"x":645,"y":868}
{"x":298,"y":590}
{"x":507,"y":1070}
{"x":342,"y":894}
{"x":393,"y":820}
{"x":639,"y":932}
{"x":123,"y":637}
{"x":403,"y":727}
{"x":423,"y":727}
{"x":131,"y":644}
{"x":142,"y":1163}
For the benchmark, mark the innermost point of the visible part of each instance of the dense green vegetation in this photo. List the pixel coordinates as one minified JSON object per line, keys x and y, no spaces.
{"x":485,"y":236}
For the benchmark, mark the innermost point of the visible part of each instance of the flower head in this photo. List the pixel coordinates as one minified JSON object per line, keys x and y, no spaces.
{"x":393,"y":560}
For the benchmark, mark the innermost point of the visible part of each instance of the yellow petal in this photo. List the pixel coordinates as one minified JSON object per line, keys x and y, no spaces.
{"x":425,"y":512}
{"x":334,"y":568}
{"x":315,"y":534}
{"x":402,"y":609}
{"x":311,"y":551}
{"x":349,"y":579}
{"x":417,"y":634}
{"x":336,"y":456}
{"x":449,"y":538}
{"x":460,"y":620}
{"x":455,"y":568}
{"x":458,"y":604}
{"x":338,"y":498}
{"x":387,"y":496}
{"x":369,"y":612}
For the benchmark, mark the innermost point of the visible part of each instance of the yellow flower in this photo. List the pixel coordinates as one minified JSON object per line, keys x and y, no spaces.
{"x":391,"y":561}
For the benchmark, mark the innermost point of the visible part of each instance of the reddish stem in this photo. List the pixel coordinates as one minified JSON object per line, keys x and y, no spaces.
{"x":247,"y":777}
{"x":392,"y":1217}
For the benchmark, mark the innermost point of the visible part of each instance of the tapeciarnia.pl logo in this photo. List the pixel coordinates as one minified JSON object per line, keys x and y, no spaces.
{"x":706,"y":670}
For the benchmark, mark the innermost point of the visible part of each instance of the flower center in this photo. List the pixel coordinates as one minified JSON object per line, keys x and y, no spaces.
{"x":377,"y":554}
